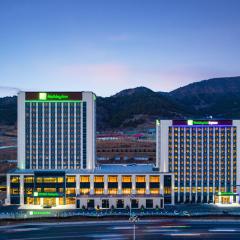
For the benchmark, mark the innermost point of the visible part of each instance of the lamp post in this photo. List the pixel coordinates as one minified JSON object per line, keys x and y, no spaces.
{"x":134,"y":219}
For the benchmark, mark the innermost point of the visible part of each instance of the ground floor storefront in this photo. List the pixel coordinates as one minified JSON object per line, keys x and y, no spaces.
{"x":100,"y":190}
{"x":226,"y":198}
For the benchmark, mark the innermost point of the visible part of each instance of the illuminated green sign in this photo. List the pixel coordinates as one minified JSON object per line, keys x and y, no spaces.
{"x":39,"y":213}
{"x":226,"y":193}
{"x":193,"y":122}
{"x":49,"y":96}
{"x":46,"y":194}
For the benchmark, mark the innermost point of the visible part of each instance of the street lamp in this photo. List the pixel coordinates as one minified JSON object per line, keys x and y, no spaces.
{"x":134,"y":219}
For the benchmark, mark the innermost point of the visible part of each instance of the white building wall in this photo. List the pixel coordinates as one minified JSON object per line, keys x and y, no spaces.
{"x":90,"y":97}
{"x":21,"y":130}
{"x":162,"y":144}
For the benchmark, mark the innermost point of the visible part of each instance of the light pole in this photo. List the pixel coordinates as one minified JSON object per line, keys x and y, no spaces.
{"x":134,"y":219}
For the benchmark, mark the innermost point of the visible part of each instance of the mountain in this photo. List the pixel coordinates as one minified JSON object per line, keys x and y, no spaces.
{"x":132,"y":107}
{"x":219,"y":97}
{"x":140,"y":107}
{"x":8,"y":110}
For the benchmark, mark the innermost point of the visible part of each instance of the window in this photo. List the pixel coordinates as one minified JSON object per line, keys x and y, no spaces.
{"x":71,"y":179}
{"x":126,"y":190}
{"x":49,"y":190}
{"x":28,"y":179}
{"x":70,"y":191}
{"x":84,"y":191}
{"x":154,"y":191}
{"x":112,"y":179}
{"x":140,"y":190}
{"x":112,"y":190}
{"x":99,"y":190}
{"x":154,"y":179}
{"x":14,"y":179}
{"x":14,"y":191}
{"x":70,"y":200}
{"x":126,"y":179}
{"x":140,"y":179}
{"x":98,"y":179}
{"x":84,"y":178}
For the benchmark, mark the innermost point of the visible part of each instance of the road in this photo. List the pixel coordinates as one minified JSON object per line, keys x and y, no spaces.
{"x":145,"y":229}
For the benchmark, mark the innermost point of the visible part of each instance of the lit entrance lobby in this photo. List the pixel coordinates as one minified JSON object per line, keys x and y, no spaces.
{"x":226,"y":198}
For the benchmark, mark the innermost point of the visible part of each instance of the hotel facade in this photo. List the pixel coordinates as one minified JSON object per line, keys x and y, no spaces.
{"x":203,"y":155}
{"x":56,"y":160}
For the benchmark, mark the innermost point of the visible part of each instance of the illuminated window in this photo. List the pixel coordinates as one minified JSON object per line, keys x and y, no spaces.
{"x":126,"y":190}
{"x":84,"y":191}
{"x":112,"y":190}
{"x":39,"y":180}
{"x":14,"y":191}
{"x":112,"y":179}
{"x":140,"y":190}
{"x":70,"y":191}
{"x":140,"y":179}
{"x":28,"y":179}
{"x":154,"y":191}
{"x":70,"y":200}
{"x":14,"y":179}
{"x":99,"y":190}
{"x":84,"y":178}
{"x":98,"y":179}
{"x":154,"y":179}
{"x":49,"y":190}
{"x":167,"y":190}
{"x":50,"y":180}
{"x":126,"y":179}
{"x":71,"y":179}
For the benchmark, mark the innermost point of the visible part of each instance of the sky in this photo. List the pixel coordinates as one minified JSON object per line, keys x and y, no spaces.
{"x":107,"y":46}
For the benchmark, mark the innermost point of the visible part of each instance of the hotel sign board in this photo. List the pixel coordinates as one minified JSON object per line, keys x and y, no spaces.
{"x":46,"y":194}
{"x":53,"y":96}
{"x":202,"y":122}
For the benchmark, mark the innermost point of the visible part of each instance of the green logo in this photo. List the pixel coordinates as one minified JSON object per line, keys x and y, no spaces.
{"x":42,"y":96}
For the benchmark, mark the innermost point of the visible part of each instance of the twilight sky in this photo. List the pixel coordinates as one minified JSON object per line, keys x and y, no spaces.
{"x":106,"y":46}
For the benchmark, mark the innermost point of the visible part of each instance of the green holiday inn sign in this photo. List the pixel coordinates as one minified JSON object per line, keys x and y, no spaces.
{"x":46,"y":194}
{"x":52,"y":96}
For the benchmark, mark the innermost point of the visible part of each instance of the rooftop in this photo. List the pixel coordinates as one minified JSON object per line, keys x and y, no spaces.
{"x":101,"y":169}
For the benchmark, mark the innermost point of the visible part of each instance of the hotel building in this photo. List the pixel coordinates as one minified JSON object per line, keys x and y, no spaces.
{"x":203,"y":155}
{"x":56,"y":160}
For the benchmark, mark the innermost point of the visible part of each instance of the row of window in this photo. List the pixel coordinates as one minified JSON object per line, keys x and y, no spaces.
{"x":85,"y":178}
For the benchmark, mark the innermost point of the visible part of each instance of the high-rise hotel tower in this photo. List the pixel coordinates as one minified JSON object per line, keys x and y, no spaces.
{"x":56,"y":130}
{"x":204,"y":157}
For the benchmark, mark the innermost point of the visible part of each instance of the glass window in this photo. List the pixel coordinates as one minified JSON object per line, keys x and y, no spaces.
{"x":99,"y":190}
{"x":154,"y":179}
{"x":14,"y":179}
{"x":84,"y":178}
{"x":126,"y":179}
{"x":28,"y":179}
{"x":98,"y":179}
{"x":71,"y":179}
{"x":112,"y":179}
{"x":140,"y":178}
{"x":70,"y":191}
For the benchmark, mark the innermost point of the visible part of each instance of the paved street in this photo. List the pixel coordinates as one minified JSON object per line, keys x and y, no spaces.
{"x":145,"y":229}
